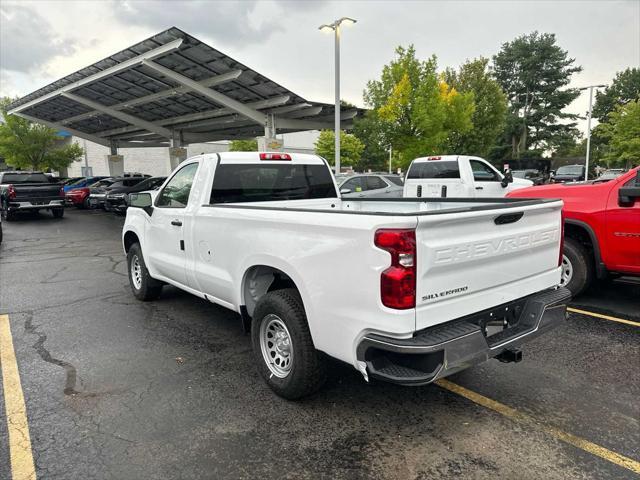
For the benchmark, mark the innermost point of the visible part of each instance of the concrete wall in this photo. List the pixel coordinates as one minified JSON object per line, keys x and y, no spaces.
{"x":155,"y":160}
{"x":152,"y":161}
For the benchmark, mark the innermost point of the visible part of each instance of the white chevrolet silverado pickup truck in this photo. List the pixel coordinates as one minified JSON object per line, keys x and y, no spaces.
{"x":458,"y":176}
{"x":405,"y":290}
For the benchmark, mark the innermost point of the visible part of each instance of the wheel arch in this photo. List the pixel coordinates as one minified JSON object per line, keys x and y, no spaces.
{"x":583,"y":233}
{"x":129,"y":239}
{"x":260,"y":279}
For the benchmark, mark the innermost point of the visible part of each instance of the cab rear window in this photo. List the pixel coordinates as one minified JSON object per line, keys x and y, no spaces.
{"x":25,"y":178}
{"x":434,"y":169}
{"x":234,"y":183}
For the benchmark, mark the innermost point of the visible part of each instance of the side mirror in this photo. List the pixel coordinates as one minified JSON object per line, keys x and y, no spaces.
{"x":141,"y":200}
{"x":507,"y":179}
{"x":344,"y":191}
{"x":628,"y":195}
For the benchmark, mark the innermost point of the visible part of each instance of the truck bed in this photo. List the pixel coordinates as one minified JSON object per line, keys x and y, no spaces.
{"x":392,"y":206}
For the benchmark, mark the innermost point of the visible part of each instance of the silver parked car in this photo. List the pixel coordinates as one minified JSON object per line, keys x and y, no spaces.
{"x":371,"y":185}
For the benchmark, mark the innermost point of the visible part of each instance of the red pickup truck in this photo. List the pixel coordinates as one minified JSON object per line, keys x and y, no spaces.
{"x":601,"y":227}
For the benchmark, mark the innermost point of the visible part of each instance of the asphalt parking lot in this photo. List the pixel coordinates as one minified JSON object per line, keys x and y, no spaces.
{"x":116,"y":388}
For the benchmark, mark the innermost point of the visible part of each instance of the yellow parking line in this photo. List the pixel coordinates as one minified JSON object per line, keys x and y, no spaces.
{"x":22,"y":466}
{"x":604,"y":317}
{"x":518,"y":416}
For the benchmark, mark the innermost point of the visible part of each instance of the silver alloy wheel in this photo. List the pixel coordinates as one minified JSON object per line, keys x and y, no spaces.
{"x":567,"y":271}
{"x":136,"y":272}
{"x":275,"y":344}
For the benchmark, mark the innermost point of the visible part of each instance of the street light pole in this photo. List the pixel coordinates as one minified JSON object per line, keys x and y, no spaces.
{"x":336,"y":127}
{"x":335,"y":26}
{"x":586,"y":162}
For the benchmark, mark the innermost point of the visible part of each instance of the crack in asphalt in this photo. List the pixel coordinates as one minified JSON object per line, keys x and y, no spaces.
{"x":70,"y":370}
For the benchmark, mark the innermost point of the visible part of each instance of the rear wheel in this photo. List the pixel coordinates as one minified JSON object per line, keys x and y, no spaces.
{"x":577,"y":267}
{"x":143,"y":285}
{"x":58,"y":212}
{"x":6,"y":214}
{"x":283,"y":347}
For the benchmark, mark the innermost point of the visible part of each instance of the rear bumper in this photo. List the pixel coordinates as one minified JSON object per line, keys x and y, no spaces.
{"x":36,"y":205}
{"x":447,"y":348}
{"x":115,"y":205}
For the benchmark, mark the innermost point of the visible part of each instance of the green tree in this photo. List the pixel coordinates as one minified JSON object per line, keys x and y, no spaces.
{"x":624,"y":88}
{"x":26,"y":145}
{"x":488,"y":117}
{"x":243,"y":146}
{"x":350,"y":147}
{"x":622,"y":130}
{"x":533,"y":71}
{"x":417,"y":111}
{"x":368,"y":129}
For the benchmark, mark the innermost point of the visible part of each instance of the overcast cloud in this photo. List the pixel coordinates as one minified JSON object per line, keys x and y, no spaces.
{"x":45,"y":40}
{"x":27,"y":40}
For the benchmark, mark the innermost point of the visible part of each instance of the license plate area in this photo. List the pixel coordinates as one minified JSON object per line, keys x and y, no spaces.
{"x":504,"y":321}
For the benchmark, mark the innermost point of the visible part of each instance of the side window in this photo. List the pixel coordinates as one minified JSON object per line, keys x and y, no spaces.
{"x":355,"y":184}
{"x":483,"y":172}
{"x":633,"y":182}
{"x":375,"y":183}
{"x":175,"y":194}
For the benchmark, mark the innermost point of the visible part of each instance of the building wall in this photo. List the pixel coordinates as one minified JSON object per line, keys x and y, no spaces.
{"x":155,"y":160}
{"x":151,"y":160}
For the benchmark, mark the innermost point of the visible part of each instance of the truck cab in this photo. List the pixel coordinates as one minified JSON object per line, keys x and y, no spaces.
{"x":458,"y":176}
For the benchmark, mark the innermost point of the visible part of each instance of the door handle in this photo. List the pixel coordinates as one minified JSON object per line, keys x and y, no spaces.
{"x":176,"y":223}
{"x":479,"y":188}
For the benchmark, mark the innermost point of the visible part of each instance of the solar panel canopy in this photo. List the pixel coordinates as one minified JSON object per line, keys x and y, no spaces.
{"x":172,"y":89}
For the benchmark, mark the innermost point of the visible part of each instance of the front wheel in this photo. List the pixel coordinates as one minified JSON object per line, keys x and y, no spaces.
{"x":283,"y":347}
{"x":143,"y":285}
{"x":577,"y":267}
{"x":57,"y":212}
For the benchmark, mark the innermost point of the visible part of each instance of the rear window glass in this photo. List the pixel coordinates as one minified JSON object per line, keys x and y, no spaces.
{"x":130,"y":182}
{"x":233,"y":183}
{"x":434,"y":169}
{"x":395,"y":180}
{"x":25,"y":178}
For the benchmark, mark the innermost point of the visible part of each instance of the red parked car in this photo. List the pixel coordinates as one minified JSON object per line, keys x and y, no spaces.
{"x":601,"y":227}
{"x":80,"y":196}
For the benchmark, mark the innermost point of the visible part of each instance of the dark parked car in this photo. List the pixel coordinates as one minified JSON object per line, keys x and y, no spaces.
{"x":29,"y":191}
{"x":117,"y":200}
{"x":569,"y":173}
{"x":99,"y":193}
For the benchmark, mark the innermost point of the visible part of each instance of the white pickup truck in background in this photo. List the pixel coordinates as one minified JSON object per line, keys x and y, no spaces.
{"x":458,"y":176}
{"x":405,"y":290}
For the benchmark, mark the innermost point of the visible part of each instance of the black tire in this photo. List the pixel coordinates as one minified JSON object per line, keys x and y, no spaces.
{"x":308,"y":366}
{"x":6,"y":214}
{"x":0,"y":232}
{"x":148,"y":288}
{"x":580,"y":262}
{"x":57,"y":212}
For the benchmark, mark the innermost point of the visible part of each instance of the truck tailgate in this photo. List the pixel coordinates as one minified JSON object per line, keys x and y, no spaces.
{"x":471,"y":261}
{"x":37,"y":192}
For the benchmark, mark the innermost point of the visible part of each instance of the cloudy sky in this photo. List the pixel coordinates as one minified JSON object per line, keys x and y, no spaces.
{"x":43,"y":40}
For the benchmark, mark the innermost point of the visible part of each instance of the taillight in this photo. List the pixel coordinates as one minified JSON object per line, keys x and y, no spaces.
{"x":434,"y":158}
{"x":561,"y":236}
{"x":61,"y":192}
{"x":398,"y":282}
{"x":275,"y":156}
{"x":11,"y":192}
